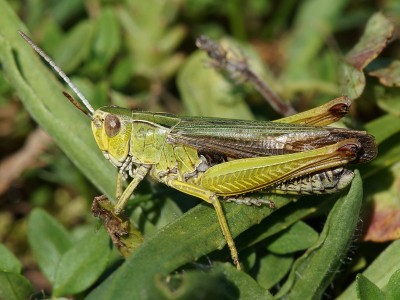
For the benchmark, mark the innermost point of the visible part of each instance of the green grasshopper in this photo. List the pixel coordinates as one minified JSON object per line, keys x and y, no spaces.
{"x":214,"y":158}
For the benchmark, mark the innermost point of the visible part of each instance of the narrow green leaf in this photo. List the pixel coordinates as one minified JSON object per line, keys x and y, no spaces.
{"x":145,"y":33}
{"x":313,"y":24}
{"x":14,"y":286}
{"x":389,"y":154}
{"x":206,"y":92}
{"x":40,"y":92}
{"x":171,"y":38}
{"x":63,"y":10}
{"x":388,"y":100}
{"x":393,"y":287}
{"x":122,"y":72}
{"x":297,"y":237}
{"x":384,"y":127}
{"x":48,"y":240}
{"x":380,"y":271}
{"x":82,"y":264}
{"x":74,"y":48}
{"x":8,"y":261}
{"x":366,"y":290}
{"x":313,"y":271}
{"x":108,"y":39}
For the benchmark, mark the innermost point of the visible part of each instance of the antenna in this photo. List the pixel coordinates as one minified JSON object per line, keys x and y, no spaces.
{"x":77,"y":105}
{"x":59,"y":72}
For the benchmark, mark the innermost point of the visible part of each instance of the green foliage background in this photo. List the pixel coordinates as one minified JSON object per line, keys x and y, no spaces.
{"x":141,"y":55}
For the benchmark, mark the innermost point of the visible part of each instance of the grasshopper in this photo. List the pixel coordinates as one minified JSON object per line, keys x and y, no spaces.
{"x":218,"y":159}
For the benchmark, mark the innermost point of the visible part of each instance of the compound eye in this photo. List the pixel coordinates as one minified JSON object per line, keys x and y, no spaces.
{"x":112,"y":125}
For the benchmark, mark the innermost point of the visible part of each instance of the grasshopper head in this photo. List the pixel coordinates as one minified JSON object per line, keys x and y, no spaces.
{"x":112,"y":132}
{"x":111,"y":126}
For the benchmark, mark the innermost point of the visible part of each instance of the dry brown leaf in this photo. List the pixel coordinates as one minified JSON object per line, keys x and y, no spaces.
{"x":378,"y":32}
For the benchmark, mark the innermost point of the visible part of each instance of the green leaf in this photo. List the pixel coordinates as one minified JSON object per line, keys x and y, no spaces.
{"x":122,"y":72}
{"x":63,"y":11}
{"x":40,"y":93}
{"x":48,"y":240}
{"x":313,"y":24}
{"x":14,"y":286}
{"x":162,"y":212}
{"x":192,"y":235}
{"x":313,"y":272}
{"x":150,"y":36}
{"x":393,"y":287}
{"x":384,"y":127}
{"x":297,"y":237}
{"x":193,"y":284}
{"x":108,"y":37}
{"x":272,"y":269}
{"x":281,"y":220}
{"x":366,"y":290}
{"x":380,"y":271}
{"x":248,"y":287}
{"x":389,"y":154}
{"x":8,"y":261}
{"x":74,"y":48}
{"x":388,"y":99}
{"x":82,"y":264}
{"x":352,"y":81}
{"x":206,"y":92}
{"x":223,"y":281}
